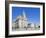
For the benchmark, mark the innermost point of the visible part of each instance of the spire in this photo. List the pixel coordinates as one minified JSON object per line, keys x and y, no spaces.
{"x":24,"y":14}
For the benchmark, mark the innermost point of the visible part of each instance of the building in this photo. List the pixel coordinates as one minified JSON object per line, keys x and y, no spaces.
{"x":21,"y":23}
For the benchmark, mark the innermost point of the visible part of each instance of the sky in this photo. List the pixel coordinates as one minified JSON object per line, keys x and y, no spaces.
{"x":32,"y":14}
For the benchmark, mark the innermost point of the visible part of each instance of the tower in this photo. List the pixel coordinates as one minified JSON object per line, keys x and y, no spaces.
{"x":24,"y":20}
{"x":24,"y":15}
{"x":21,"y":21}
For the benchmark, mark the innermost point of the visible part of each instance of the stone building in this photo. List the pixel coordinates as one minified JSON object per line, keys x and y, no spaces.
{"x":22,"y":23}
